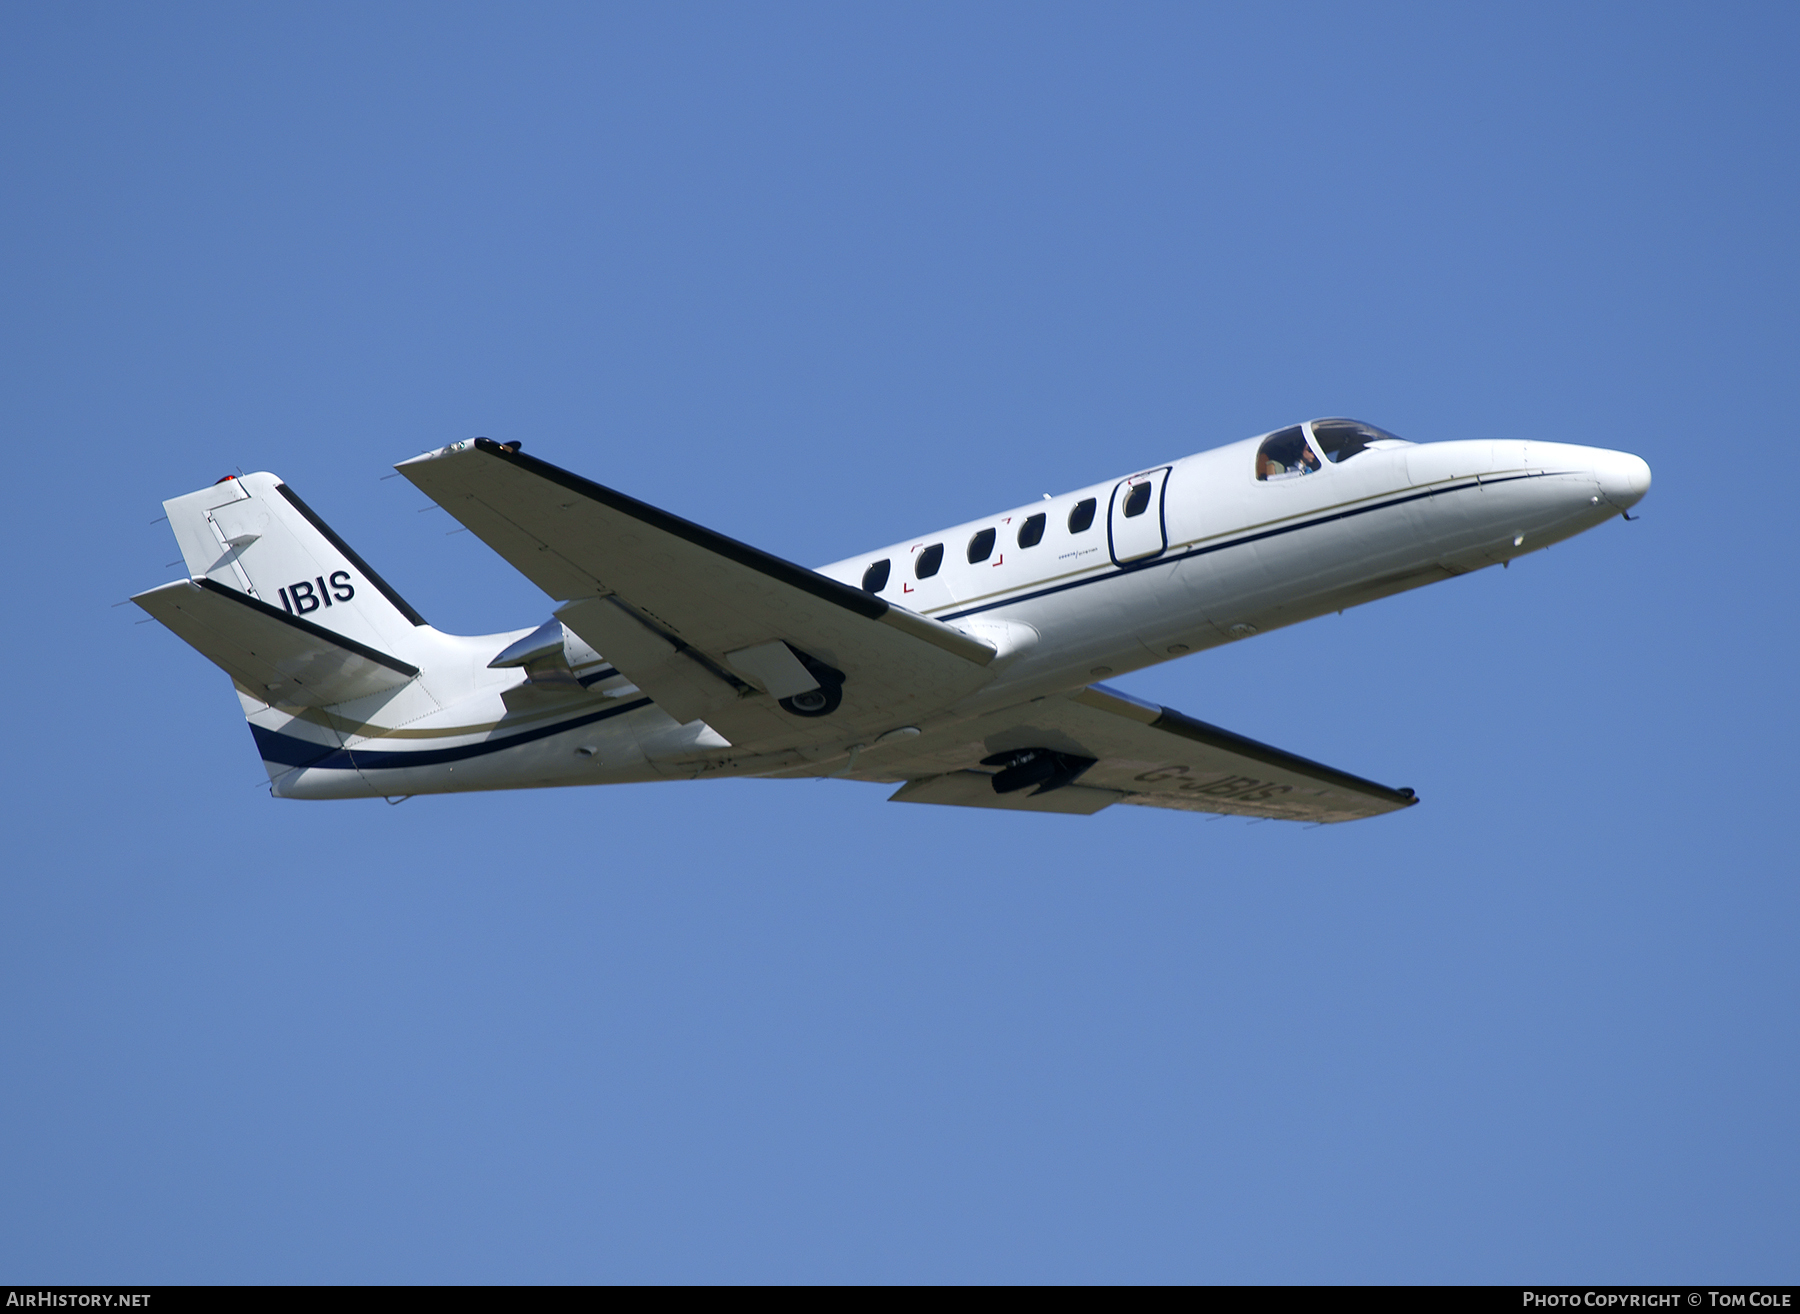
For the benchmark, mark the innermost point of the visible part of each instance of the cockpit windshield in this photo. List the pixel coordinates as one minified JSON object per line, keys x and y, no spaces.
{"x":1285,"y":455}
{"x":1341,"y":439}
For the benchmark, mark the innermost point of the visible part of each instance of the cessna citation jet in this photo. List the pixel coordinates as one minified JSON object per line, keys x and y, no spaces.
{"x":960,"y":665}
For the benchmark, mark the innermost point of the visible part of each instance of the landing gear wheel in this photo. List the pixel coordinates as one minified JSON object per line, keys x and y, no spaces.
{"x":822,"y":701}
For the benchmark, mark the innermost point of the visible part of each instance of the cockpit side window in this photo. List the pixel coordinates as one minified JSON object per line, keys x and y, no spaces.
{"x":1285,"y":455}
{"x":1341,"y":439}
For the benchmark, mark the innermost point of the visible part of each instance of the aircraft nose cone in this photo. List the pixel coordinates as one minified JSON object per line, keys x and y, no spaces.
{"x":1623,"y":478}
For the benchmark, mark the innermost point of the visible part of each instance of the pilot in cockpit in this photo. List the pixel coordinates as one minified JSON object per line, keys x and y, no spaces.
{"x":1284,"y":455}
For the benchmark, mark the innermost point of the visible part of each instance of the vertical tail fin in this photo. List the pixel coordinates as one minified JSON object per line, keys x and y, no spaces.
{"x":252,"y":534}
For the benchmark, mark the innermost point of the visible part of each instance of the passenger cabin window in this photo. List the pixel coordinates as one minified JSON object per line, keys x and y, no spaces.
{"x":1341,"y":439}
{"x":1285,"y":455}
{"x":981,"y":547}
{"x":1031,"y":533}
{"x":1137,"y":501}
{"x":929,"y":561}
{"x":1082,"y":517}
{"x":875,"y":578}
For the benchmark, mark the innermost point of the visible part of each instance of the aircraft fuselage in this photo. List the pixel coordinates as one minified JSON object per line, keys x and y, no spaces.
{"x":1234,"y":556}
{"x":1091,"y":584}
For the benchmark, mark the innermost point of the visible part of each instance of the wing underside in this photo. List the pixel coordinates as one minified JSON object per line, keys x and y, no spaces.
{"x":1122,"y":750}
{"x":709,"y":628}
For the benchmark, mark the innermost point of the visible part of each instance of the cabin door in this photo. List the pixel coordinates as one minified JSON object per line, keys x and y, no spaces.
{"x":1135,"y":523}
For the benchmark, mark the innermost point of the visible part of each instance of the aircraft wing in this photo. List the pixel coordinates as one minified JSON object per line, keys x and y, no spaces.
{"x":1123,"y":750}
{"x":710,"y":628}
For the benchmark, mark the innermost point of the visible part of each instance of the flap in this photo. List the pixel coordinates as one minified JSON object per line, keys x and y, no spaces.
{"x":284,"y":660}
{"x":677,"y":679}
{"x":1147,"y":755}
{"x":689,"y":615}
{"x":773,"y":668}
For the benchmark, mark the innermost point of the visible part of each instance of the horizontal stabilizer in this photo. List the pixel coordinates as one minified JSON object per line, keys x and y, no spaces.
{"x":281,"y":659}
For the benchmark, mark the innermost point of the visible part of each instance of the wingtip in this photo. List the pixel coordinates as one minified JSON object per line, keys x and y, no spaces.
{"x":466,"y":445}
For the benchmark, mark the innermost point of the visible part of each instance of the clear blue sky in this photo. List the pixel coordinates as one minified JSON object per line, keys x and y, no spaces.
{"x":822,"y":277}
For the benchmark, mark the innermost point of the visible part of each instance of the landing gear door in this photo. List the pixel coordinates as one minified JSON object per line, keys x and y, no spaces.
{"x":1135,"y":526}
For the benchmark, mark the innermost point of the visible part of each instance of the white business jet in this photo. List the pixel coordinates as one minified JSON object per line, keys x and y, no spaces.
{"x":960,"y":665}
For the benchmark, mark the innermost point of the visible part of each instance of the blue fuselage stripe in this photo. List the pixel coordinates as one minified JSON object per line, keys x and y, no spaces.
{"x":292,"y":751}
